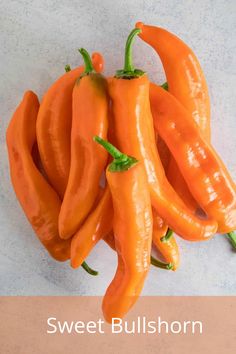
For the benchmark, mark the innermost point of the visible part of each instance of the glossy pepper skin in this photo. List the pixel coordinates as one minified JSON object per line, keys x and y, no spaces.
{"x":132,"y":224}
{"x":164,"y":153}
{"x":169,"y":247}
{"x":203,"y":170}
{"x":135,"y":136}
{"x":54,"y":126}
{"x":186,"y":81}
{"x":96,"y":226}
{"x":184,"y":74}
{"x":88,"y":159}
{"x":39,"y":201}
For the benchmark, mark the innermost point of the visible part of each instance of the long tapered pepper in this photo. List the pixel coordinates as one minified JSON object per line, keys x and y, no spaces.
{"x":187,"y":83}
{"x":88,"y":160}
{"x":54,"y":126}
{"x":132,"y":230}
{"x":159,"y":228}
{"x":203,"y":170}
{"x":39,"y":201}
{"x":129,"y":92}
{"x":184,"y":74}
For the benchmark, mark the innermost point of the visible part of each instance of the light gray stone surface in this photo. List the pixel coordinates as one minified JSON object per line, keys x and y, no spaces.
{"x":37,"y":38}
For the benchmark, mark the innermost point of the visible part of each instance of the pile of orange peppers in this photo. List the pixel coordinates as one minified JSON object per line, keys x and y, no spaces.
{"x":123,"y":160}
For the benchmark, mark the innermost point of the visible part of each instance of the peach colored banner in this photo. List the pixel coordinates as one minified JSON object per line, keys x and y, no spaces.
{"x":163,"y":325}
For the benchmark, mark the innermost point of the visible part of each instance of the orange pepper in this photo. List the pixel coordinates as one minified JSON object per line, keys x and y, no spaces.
{"x":39,"y":201}
{"x":54,"y":126}
{"x":187,"y":83}
{"x":184,"y":74}
{"x":203,"y":170}
{"x":159,"y":228}
{"x":88,"y":160}
{"x":132,"y":230}
{"x":129,"y":92}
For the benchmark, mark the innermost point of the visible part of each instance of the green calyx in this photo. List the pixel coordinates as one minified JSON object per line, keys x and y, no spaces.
{"x":232,"y":237}
{"x":87,"y":62}
{"x":67,"y":68}
{"x":121,"y":161}
{"x":167,"y":236}
{"x":129,"y":72}
{"x":155,"y":262}
{"x":88,"y":269}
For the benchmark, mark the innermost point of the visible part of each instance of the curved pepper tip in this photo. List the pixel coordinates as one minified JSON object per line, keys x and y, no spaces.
{"x":139,"y":25}
{"x":98,"y":61}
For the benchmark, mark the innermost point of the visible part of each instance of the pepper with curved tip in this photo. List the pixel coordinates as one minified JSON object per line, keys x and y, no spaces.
{"x":132,"y":230}
{"x":135,"y":136}
{"x":203,"y":170}
{"x":186,"y":81}
{"x":39,"y":201}
{"x":167,"y":247}
{"x":88,"y":159}
{"x":184,"y":74}
{"x":98,"y":224}
{"x":54,"y":126}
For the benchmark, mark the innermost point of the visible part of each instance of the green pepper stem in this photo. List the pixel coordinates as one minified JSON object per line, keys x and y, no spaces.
{"x":87,"y":61}
{"x":67,"y":68}
{"x":113,"y":151}
{"x":121,"y":161}
{"x":128,"y":64}
{"x":129,"y":72}
{"x":232,"y":238}
{"x":167,"y":236}
{"x":88,"y":269}
{"x":155,"y":262}
{"x":165,"y":86}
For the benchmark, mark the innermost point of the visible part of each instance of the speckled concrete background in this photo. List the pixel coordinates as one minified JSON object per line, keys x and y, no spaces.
{"x":37,"y":39}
